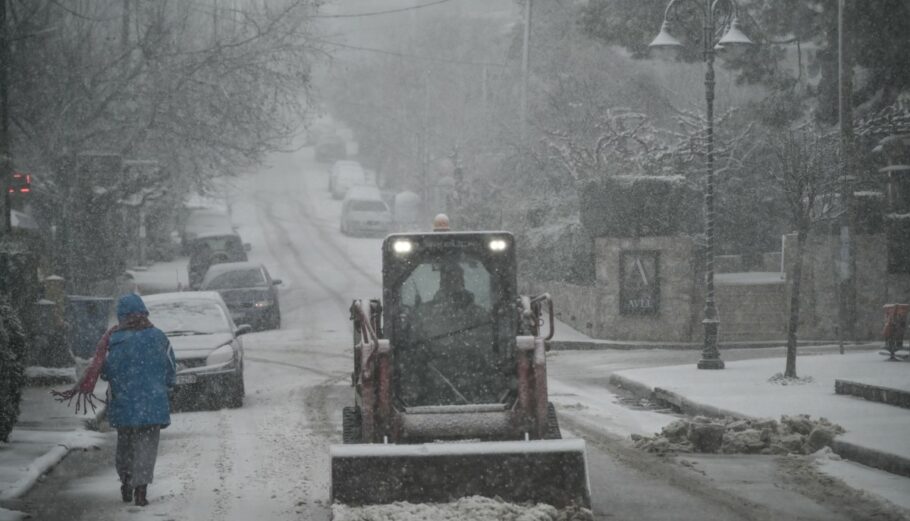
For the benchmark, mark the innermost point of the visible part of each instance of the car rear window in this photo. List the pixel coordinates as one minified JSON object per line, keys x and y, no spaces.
{"x":368,"y":206}
{"x":248,"y":278}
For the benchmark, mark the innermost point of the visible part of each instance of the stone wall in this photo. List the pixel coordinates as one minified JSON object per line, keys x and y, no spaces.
{"x":595,"y":310}
{"x":751,"y":307}
{"x":875,"y":287}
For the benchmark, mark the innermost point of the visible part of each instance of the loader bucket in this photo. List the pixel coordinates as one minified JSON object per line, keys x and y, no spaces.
{"x":542,"y":471}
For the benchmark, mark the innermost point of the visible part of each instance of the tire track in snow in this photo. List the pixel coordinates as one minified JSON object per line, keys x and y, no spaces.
{"x":304,"y":212}
{"x":270,"y":230}
{"x":289,"y":364}
{"x":283,"y":237}
{"x":651,"y":467}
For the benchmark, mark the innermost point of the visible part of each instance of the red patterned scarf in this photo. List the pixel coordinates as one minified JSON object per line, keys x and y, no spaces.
{"x":84,"y":390}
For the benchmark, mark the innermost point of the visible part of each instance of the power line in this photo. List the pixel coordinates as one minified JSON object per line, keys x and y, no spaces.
{"x":414,"y":56}
{"x":378,"y":13}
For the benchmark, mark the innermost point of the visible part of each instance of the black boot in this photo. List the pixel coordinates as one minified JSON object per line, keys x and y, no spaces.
{"x":126,"y":491}
{"x":141,"y":500}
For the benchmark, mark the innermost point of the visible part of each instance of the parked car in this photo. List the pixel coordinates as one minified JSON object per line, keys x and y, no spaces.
{"x":248,"y":290}
{"x":330,"y":149}
{"x":206,"y":343}
{"x":317,"y":132}
{"x":364,"y":211}
{"x":406,"y":212}
{"x":217,"y":248}
{"x":202,"y":222}
{"x":343,"y":176}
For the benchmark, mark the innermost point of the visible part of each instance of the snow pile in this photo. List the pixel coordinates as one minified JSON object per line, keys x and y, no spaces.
{"x":12,"y":515}
{"x":780,"y":379}
{"x":474,"y":508}
{"x":37,"y":375}
{"x":797,"y":434}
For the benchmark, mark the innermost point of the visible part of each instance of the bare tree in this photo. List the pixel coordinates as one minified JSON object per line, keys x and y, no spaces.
{"x":201,"y":90}
{"x":805,"y":161}
{"x":204,"y":89}
{"x":624,"y":143}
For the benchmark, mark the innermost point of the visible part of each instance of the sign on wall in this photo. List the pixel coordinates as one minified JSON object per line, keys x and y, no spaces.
{"x":639,"y":283}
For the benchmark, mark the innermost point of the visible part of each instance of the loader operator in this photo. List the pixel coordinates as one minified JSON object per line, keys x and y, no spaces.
{"x":452,"y":337}
{"x":452,"y":293}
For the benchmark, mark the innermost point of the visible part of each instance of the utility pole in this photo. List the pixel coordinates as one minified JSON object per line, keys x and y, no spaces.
{"x":525,"y":59}
{"x":845,"y":122}
{"x":215,"y":21}
{"x":485,"y":89}
{"x":425,"y":150}
{"x":125,"y":27}
{"x":6,"y":161}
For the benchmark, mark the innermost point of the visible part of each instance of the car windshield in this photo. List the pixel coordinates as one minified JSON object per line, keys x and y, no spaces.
{"x":437,"y":280}
{"x":247,"y":278}
{"x":188,"y":317}
{"x":368,"y":206}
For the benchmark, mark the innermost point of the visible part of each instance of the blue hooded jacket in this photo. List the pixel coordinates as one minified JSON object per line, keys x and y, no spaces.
{"x":140,"y":367}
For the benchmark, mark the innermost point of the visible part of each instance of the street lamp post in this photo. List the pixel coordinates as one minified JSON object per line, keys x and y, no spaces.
{"x":710,"y":12}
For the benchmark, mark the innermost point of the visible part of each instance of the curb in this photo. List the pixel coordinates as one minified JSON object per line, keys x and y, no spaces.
{"x":619,"y":345}
{"x":872,"y":458}
{"x":675,"y":400}
{"x":47,"y":461}
{"x":892,"y":463}
{"x":35,"y":470}
{"x":873,"y":393}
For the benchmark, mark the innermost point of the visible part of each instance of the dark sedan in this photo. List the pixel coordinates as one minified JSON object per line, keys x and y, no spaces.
{"x":249,"y":292}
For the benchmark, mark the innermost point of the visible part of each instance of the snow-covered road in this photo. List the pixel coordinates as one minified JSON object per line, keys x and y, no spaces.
{"x":269,"y":459}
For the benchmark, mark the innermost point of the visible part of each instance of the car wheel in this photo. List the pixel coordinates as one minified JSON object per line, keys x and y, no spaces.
{"x":235,"y":391}
{"x":275,"y":319}
{"x":351,"y":428}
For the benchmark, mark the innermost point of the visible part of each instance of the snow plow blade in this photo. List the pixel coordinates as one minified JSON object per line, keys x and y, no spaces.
{"x":542,"y":471}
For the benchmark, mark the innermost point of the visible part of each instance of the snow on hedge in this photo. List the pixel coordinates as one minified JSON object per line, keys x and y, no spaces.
{"x":474,"y":508}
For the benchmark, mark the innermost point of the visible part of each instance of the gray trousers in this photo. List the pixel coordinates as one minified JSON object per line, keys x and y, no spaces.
{"x":137,"y":450}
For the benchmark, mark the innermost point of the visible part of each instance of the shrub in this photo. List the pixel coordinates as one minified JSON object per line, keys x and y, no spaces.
{"x":12,"y":367}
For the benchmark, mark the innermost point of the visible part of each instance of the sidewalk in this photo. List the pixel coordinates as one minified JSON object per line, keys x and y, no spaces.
{"x":45,"y":433}
{"x":877,"y":434}
{"x":47,"y":430}
{"x":569,"y":339}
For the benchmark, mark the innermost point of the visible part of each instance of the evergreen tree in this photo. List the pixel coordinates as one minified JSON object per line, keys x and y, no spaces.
{"x":878,"y":36}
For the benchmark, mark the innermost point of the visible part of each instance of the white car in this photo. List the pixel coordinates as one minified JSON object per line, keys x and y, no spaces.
{"x":206,"y":343}
{"x":365,"y":212}
{"x":344,"y":176}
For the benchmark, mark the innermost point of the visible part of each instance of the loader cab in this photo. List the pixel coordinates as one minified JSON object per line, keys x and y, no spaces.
{"x":450,"y":313}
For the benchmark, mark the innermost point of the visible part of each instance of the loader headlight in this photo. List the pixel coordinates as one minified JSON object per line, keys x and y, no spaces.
{"x":402,"y":246}
{"x":498,"y":245}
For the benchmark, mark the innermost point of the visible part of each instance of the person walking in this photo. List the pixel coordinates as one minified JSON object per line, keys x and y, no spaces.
{"x":140,"y":368}
{"x":137,"y":361}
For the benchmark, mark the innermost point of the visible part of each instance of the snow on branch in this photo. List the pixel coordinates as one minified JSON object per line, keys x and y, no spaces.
{"x":624,"y":143}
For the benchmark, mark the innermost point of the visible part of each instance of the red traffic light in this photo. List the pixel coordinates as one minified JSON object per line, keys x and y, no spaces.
{"x":20,"y":183}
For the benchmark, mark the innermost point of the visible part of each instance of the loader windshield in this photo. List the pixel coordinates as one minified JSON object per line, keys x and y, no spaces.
{"x":449,"y":349}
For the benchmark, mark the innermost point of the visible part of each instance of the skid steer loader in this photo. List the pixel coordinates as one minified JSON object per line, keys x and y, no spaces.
{"x":450,"y":383}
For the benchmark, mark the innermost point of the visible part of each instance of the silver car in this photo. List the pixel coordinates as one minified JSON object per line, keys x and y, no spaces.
{"x":206,"y":342}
